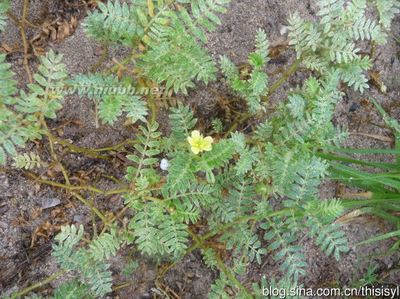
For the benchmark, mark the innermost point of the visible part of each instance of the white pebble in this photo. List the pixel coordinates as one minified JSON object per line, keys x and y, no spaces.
{"x":164,"y":164}
{"x":284,"y":30}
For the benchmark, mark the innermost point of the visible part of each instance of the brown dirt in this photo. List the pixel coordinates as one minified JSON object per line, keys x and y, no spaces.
{"x":21,"y":200}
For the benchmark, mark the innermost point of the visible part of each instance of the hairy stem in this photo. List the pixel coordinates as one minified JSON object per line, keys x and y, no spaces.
{"x":93,"y":153}
{"x":38,"y":285}
{"x":52,"y":151}
{"x":222,"y":267}
{"x":101,"y":60}
{"x":92,"y":208}
{"x":285,"y":76}
{"x":77,"y":188}
{"x":21,"y":24}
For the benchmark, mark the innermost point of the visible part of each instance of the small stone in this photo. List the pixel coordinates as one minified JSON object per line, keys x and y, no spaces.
{"x":50,"y":203}
{"x":164,"y":164}
{"x":283,"y":30}
{"x":79,"y":218}
{"x":354,"y":107}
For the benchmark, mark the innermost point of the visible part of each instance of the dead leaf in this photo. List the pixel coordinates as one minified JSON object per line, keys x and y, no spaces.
{"x":5,"y":48}
{"x":35,"y":213}
{"x":376,"y":80}
{"x":44,"y":231}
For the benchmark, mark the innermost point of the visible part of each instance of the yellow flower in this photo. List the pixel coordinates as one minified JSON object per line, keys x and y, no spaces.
{"x":198,"y":143}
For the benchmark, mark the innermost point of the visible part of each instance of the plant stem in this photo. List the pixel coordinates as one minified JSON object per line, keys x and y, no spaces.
{"x":21,"y":26}
{"x":52,"y":151}
{"x":153,"y":109}
{"x":72,"y":188}
{"x":221,"y":265}
{"x":245,"y":116}
{"x":224,"y":227}
{"x":38,"y":285}
{"x":94,"y":153}
{"x":285,"y":76}
{"x":101,"y":60}
{"x":77,"y":188}
{"x":92,"y":207}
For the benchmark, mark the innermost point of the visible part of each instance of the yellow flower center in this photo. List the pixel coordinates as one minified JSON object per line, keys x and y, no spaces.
{"x":198,"y":143}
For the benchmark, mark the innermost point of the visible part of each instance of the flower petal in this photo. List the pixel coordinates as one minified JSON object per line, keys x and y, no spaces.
{"x":207,"y":147}
{"x":196,"y":134}
{"x":195,"y":150}
{"x":209,"y":139}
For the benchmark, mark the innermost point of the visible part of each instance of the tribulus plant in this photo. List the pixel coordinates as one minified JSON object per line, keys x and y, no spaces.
{"x":22,"y":115}
{"x":257,"y":192}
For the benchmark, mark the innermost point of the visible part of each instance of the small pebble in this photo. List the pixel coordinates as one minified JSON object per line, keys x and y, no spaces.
{"x":50,"y":203}
{"x":284,"y":30}
{"x":354,"y":107}
{"x":164,"y":164}
{"x":79,"y":218}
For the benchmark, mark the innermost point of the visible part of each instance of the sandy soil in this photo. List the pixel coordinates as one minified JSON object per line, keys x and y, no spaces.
{"x":22,"y":201}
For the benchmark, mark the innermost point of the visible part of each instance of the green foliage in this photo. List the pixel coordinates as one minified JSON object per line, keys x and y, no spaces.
{"x":328,"y":234}
{"x":182,"y":122}
{"x":293,"y":260}
{"x":219,"y":289}
{"x":113,"y":106}
{"x":114,"y":22}
{"x":144,"y":227}
{"x":147,"y":148}
{"x":253,"y":88}
{"x":15,"y":131}
{"x":254,"y":194}
{"x":105,"y":246}
{"x":46,"y":94}
{"x":217,"y":125}
{"x":27,"y":161}
{"x":219,"y":156}
{"x":204,"y":16}
{"x":331,"y":44}
{"x":4,"y":7}
{"x":180,"y":173}
{"x":8,"y":84}
{"x":327,"y":210}
{"x":93,"y":85}
{"x":289,"y":139}
{"x":178,"y":46}
{"x":33,"y":296}
{"x":157,"y":232}
{"x":387,"y":10}
{"x":174,"y":237}
{"x":238,"y":200}
{"x":328,"y":237}
{"x":209,"y":258}
{"x":112,"y":97}
{"x":68,"y":238}
{"x":370,"y":277}
{"x":72,"y":289}
{"x":174,"y":38}
{"x":20,"y":116}
{"x":89,"y":264}
{"x":245,"y":243}
{"x":382,"y":185}
{"x":180,"y":61}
